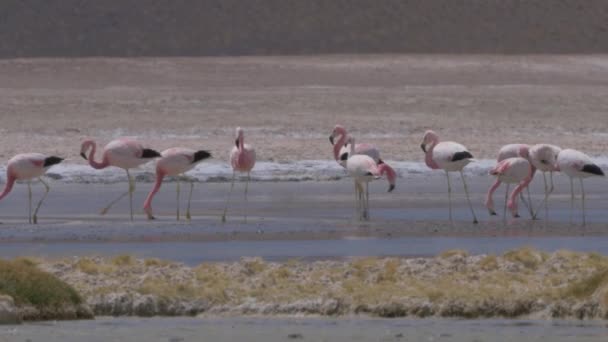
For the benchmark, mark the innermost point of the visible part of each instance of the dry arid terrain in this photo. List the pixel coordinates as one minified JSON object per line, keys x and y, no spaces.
{"x":289,"y":105}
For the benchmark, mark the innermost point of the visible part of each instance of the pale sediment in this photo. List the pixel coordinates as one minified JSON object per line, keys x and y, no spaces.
{"x":521,"y":283}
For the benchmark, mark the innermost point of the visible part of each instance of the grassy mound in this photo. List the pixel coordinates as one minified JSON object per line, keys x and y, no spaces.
{"x":38,"y":294}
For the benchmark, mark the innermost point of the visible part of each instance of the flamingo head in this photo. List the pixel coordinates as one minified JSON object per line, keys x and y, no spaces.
{"x":339,"y":130}
{"x":430,"y":138}
{"x":547,"y":156}
{"x":86,"y":145}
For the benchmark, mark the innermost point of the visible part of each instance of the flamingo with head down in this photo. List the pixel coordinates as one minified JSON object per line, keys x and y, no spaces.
{"x":27,"y":166}
{"x":342,"y":151}
{"x":175,"y":162}
{"x":516,"y":170}
{"x":364,"y":169}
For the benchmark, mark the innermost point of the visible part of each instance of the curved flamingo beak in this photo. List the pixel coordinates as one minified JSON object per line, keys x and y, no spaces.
{"x":423,"y":147}
{"x":84,"y":156}
{"x":331,"y":139}
{"x":391,"y":187}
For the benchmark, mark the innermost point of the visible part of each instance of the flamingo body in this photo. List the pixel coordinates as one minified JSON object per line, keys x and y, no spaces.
{"x":576,"y":164}
{"x":450,"y":157}
{"x":515,"y":170}
{"x":342,"y":151}
{"x":124,"y":153}
{"x":364,"y":169}
{"x":242,"y":159}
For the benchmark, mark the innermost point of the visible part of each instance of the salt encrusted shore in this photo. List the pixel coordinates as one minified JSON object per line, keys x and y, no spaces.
{"x":520,"y":283}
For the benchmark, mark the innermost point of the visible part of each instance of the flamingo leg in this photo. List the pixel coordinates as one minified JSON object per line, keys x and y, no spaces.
{"x":46,"y":192}
{"x":177,"y":199}
{"x":583,"y":202}
{"x":466,"y":191}
{"x":107,"y":208}
{"x":447,"y":175}
{"x":228,"y":200}
{"x":29,"y":196}
{"x":188,"y":217}
{"x":246,"y":190}
{"x":571,"y":199}
{"x":366,"y":213}
{"x":489,"y":199}
{"x":504,"y":210}
{"x":357,"y":201}
{"x":528,"y":203}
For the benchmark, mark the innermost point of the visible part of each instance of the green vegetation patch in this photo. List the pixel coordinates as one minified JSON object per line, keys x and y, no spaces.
{"x":23,"y":281}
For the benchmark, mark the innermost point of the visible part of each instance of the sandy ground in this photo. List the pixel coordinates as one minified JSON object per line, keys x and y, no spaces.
{"x":289,"y":105}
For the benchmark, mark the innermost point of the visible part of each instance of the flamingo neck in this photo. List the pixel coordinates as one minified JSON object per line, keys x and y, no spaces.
{"x":95,"y":164}
{"x":159,"y":181}
{"x":10,"y":181}
{"x":241,"y":142}
{"x":390,"y":173}
{"x":428,"y":158}
{"x":338,"y":146}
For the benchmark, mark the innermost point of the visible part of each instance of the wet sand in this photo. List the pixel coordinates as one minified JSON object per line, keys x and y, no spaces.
{"x":289,"y":105}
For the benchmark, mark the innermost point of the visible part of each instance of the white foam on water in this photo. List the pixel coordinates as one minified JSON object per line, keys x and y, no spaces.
{"x":291,"y":171}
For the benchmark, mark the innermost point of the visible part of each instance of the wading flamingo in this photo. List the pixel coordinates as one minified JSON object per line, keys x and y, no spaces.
{"x":576,"y":164}
{"x":544,"y":158}
{"x":363,"y":169}
{"x":175,"y":162}
{"x":342,"y":151}
{"x":513,"y":171}
{"x":450,"y":157}
{"x":242,"y":159}
{"x":505,"y":152}
{"x":123,"y":153}
{"x":27,"y":166}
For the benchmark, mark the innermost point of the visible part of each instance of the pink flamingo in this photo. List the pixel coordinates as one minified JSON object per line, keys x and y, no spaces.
{"x":342,"y":151}
{"x":505,"y":152}
{"x":242,"y":159}
{"x":450,"y":157}
{"x":576,"y":164}
{"x":363,"y":169}
{"x":175,"y":162}
{"x":27,"y":166}
{"x":544,"y":158}
{"x":515,"y":170}
{"x":123,"y":153}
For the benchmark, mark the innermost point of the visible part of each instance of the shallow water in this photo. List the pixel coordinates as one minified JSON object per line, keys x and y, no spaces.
{"x":193,"y":253}
{"x":305,"y":329}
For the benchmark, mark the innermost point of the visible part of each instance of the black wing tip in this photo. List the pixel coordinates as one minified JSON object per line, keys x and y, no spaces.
{"x":344,"y":156}
{"x":201,"y":155}
{"x":593,"y":169}
{"x":150,"y":153}
{"x":461,"y":156}
{"x":52,"y":160}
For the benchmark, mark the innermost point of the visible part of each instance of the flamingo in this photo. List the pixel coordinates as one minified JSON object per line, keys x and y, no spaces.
{"x":242,"y":159}
{"x":576,"y":164}
{"x":544,"y":158}
{"x":27,"y":166}
{"x":450,"y":157}
{"x":505,"y":152}
{"x":515,"y":170}
{"x":123,"y":153}
{"x":175,"y":162}
{"x":342,"y":151}
{"x":363,"y":169}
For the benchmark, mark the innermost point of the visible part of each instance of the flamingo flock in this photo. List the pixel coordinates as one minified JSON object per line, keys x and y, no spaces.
{"x":516,"y":164}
